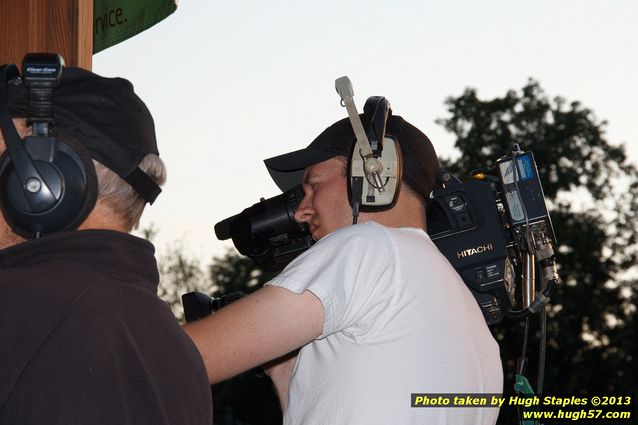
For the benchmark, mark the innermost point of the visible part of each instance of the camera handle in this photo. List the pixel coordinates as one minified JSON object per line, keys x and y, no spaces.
{"x":198,"y":305}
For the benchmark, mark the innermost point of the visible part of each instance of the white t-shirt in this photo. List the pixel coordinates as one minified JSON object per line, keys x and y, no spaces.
{"x":398,"y":320}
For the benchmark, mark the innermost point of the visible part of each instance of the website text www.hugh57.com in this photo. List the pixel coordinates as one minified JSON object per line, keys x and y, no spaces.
{"x":576,"y":415}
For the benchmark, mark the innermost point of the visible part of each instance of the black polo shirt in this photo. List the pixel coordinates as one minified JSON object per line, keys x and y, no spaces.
{"x":85,"y":340}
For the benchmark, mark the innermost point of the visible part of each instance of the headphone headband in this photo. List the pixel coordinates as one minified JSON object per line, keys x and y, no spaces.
{"x":11,"y":139}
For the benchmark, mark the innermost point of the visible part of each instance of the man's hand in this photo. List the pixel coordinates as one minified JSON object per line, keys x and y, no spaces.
{"x":265,"y":325}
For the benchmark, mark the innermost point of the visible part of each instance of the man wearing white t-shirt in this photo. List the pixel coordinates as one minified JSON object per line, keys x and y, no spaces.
{"x":376,"y":311}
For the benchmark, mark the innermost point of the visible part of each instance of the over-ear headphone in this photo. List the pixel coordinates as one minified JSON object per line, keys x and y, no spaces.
{"x":374,"y":185}
{"x":46,"y":184}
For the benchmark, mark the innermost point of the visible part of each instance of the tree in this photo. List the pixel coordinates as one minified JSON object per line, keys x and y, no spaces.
{"x":591,"y":189}
{"x":234,"y":272}
{"x":179,"y":273}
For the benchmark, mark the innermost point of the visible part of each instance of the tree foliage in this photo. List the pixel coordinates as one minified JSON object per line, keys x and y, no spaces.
{"x":234,"y":272}
{"x":591,"y":189}
{"x":181,"y":273}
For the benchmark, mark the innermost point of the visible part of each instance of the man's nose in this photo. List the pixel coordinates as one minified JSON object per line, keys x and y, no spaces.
{"x":304,"y":212}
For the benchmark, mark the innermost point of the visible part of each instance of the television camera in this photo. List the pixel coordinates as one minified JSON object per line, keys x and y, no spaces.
{"x":491,"y":228}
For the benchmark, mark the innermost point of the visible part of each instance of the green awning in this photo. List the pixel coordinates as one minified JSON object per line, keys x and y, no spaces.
{"x":117,"y":20}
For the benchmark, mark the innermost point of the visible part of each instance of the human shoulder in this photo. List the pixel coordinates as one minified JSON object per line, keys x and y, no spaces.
{"x":345,"y":247}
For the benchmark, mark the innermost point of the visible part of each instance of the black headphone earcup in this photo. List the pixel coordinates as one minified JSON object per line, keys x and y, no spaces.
{"x":71,"y":176}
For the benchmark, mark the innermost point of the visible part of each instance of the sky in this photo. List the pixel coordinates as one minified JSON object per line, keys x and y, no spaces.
{"x":232,"y":83}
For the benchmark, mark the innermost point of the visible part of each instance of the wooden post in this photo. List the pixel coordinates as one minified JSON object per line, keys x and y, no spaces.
{"x":55,"y":26}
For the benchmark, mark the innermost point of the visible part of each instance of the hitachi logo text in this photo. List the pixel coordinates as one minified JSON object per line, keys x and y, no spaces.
{"x":471,"y":251}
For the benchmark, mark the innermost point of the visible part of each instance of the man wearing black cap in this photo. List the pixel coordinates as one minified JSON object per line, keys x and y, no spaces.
{"x":85,"y":339}
{"x":377,"y":312}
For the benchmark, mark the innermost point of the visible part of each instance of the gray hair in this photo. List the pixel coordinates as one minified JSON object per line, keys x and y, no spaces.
{"x":120,"y":197}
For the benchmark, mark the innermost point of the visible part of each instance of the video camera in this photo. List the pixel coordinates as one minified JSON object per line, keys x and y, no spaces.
{"x":267,"y":232}
{"x":490,"y":228}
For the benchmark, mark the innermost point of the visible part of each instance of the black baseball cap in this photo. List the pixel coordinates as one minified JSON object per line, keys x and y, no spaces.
{"x":420,"y":163}
{"x":106,"y":117}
